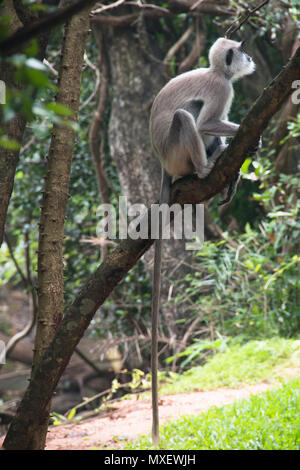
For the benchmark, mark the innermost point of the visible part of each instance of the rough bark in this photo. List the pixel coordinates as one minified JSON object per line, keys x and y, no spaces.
{"x":117,"y":264}
{"x":14,"y":129}
{"x":55,"y":197}
{"x":134,"y":80}
{"x":56,"y":186}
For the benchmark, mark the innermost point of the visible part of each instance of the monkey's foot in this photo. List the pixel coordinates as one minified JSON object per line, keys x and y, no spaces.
{"x":205,"y":170}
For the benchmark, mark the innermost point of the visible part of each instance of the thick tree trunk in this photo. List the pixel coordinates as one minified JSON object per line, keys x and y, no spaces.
{"x":14,"y":129}
{"x":136,"y":78}
{"x":117,"y":264}
{"x":51,"y":228}
{"x":56,"y":187}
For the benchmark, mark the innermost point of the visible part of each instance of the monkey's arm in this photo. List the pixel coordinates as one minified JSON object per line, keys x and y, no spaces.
{"x":218,"y":128}
{"x":212,"y":119}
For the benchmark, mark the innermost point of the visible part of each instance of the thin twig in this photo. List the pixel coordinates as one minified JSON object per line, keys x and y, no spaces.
{"x":195,"y":5}
{"x":50,"y":67}
{"x":198,"y":46}
{"x":148,"y":5}
{"x":231,"y":31}
{"x":107,"y":7}
{"x":86,"y":359}
{"x":175,"y":48}
{"x":96,"y":87}
{"x":12,"y":255}
{"x":27,"y":145}
{"x":29,"y":284}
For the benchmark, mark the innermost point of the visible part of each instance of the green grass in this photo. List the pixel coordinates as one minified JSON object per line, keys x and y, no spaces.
{"x":250,"y":363}
{"x":270,"y":421}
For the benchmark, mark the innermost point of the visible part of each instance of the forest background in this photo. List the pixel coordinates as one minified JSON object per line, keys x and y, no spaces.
{"x":70,"y":143}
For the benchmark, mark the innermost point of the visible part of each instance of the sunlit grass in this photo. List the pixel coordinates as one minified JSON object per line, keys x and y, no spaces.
{"x":270,"y":421}
{"x":250,"y":363}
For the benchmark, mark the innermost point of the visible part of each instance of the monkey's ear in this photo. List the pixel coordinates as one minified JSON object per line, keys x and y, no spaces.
{"x":229,"y":56}
{"x":242,"y":45}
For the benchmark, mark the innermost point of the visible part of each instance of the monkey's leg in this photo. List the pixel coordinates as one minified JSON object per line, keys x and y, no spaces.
{"x":164,"y":199}
{"x":184,"y":135}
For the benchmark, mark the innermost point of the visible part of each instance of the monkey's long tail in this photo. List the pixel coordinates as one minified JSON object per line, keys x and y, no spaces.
{"x":164,"y":199}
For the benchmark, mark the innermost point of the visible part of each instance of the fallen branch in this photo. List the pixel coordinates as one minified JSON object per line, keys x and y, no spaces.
{"x":113,"y":269}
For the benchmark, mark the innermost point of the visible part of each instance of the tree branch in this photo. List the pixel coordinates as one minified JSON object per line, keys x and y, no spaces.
{"x":185,"y":191}
{"x":120,"y":261}
{"x":197,"y":49}
{"x":13,"y":43}
{"x":31,"y":291}
{"x":174,"y":49}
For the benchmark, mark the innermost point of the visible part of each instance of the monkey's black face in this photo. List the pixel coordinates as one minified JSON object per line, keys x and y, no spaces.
{"x":239,"y":63}
{"x":229,"y":58}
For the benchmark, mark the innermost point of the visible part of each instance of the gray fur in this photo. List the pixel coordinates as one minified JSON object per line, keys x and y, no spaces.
{"x":210,"y":90}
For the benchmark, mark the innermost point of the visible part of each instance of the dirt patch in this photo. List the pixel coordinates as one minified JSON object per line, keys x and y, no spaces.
{"x":130,"y":418}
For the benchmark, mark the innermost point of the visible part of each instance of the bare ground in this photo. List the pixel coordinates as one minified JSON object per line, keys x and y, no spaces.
{"x":130,"y":418}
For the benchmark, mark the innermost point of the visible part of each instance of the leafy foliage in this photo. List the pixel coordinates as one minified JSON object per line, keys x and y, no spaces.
{"x":249,"y":283}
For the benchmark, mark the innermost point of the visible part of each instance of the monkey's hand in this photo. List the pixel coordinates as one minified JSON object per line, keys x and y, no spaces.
{"x":205,"y":169}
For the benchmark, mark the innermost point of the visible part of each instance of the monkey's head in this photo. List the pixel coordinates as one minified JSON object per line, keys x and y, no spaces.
{"x":229,"y":58}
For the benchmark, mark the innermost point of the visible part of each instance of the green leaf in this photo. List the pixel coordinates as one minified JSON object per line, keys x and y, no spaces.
{"x":10,"y":144}
{"x":35,"y":64}
{"x":72,"y":413}
{"x":59,"y":108}
{"x":19,"y":175}
{"x":17,"y":59}
{"x":32,"y":49}
{"x":37,"y":77}
{"x":257,"y":267}
{"x":246,"y":165}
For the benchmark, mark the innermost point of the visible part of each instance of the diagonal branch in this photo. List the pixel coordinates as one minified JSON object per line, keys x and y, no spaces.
{"x":186,"y":191}
{"x":120,"y":261}
{"x":12,"y":43}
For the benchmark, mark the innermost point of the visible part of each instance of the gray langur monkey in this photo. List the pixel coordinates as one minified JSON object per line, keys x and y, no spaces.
{"x":188,"y":127}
